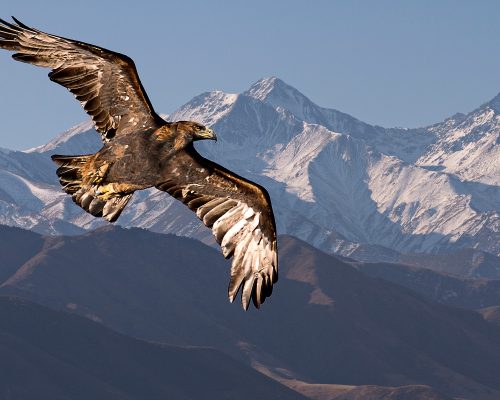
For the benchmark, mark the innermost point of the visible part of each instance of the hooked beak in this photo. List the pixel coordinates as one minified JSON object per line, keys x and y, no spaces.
{"x":209,"y":134}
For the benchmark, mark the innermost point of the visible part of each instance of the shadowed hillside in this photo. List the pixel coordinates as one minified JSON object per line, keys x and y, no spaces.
{"x":16,"y":247}
{"x":438,"y":286}
{"x":492,"y":314}
{"x":51,"y":355}
{"x":325,"y":323}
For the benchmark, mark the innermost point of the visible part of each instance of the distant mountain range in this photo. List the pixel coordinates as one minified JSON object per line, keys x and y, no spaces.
{"x":328,"y":332}
{"x":342,"y":185}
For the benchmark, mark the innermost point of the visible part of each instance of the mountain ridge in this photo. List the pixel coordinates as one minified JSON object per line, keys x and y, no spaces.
{"x":401,"y":190}
{"x":170,"y":289}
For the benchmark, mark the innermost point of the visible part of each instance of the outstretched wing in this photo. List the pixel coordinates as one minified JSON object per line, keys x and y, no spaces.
{"x":240,"y":215}
{"x":106,"y":83}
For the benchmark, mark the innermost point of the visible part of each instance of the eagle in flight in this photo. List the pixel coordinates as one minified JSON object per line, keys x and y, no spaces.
{"x":142,"y":150}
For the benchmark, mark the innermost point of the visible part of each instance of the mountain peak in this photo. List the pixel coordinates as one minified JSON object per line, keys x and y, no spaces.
{"x":261,"y":89}
{"x":206,"y":108}
{"x":494,"y":103}
{"x":277,"y":93}
{"x":267,"y":89}
{"x":71,"y":142}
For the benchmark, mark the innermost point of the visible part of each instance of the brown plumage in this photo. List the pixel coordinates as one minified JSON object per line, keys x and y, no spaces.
{"x":142,"y":150}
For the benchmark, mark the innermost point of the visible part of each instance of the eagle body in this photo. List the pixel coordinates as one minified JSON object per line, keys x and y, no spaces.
{"x":136,"y":159}
{"x":141,"y":150}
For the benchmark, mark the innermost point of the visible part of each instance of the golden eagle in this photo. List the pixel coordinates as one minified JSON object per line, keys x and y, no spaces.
{"x":141,"y":150}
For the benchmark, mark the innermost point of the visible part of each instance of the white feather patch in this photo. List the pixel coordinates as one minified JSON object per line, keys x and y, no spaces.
{"x":233,"y":231}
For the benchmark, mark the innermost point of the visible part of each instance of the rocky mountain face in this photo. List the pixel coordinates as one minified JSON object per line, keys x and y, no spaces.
{"x":342,"y":185}
{"x":328,"y":331}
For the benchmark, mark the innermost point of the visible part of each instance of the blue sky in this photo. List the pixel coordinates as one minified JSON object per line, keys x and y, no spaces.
{"x":387,"y":62}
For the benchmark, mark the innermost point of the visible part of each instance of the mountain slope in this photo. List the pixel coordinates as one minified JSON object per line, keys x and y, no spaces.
{"x":13,"y":241}
{"x":468,"y":263}
{"x":467,"y":145}
{"x":492,"y":314}
{"x":342,"y":185}
{"x":326,"y":322}
{"x":447,"y":289}
{"x":342,"y":176}
{"x":406,"y":144}
{"x":53,"y":355}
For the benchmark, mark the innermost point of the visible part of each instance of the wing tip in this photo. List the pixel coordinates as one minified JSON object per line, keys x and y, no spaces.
{"x":20,"y":24}
{"x":8,"y":25}
{"x":245,"y":303}
{"x":255,"y":285}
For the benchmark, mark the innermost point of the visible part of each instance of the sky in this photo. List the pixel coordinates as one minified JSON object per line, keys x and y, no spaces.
{"x":386,"y":62}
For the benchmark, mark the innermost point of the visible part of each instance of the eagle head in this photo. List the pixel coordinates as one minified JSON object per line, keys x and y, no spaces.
{"x":195,"y":131}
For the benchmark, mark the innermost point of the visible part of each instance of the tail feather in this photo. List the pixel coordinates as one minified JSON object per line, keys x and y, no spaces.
{"x":69,"y":171}
{"x":85,"y":191}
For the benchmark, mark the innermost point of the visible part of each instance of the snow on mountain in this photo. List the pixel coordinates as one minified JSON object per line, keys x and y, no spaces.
{"x":343,"y":185}
{"x":208,"y":107}
{"x":35,"y":205}
{"x":370,"y":197}
{"x":468,"y":146}
{"x":72,"y":141}
{"x":407,"y":144}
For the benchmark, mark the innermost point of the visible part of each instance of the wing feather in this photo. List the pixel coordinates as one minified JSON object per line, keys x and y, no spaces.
{"x":240,"y":215}
{"x":106,"y":83}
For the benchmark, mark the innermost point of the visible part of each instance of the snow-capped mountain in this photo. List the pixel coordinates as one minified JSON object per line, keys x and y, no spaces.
{"x":343,"y":185}
{"x":467,"y":146}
